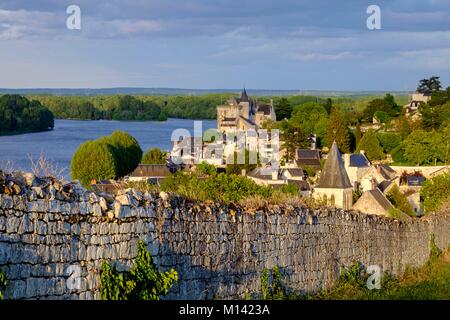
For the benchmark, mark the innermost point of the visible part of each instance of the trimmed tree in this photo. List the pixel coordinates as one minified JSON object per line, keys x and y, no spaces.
{"x":371,"y":145}
{"x":128,"y":151}
{"x":94,"y":160}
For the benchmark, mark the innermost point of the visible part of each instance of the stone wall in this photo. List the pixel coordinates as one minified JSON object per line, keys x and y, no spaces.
{"x":49,"y":230}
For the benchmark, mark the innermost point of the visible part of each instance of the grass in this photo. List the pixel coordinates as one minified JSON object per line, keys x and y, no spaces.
{"x":430,"y":282}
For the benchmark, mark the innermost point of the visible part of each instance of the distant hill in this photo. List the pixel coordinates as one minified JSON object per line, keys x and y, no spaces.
{"x":194,"y":92}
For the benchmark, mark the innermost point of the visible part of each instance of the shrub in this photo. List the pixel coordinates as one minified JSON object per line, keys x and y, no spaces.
{"x":3,"y":283}
{"x":400,"y":201}
{"x":206,"y":168}
{"x":271,"y":286}
{"x":154,"y":156}
{"x":222,"y":187}
{"x":142,"y":282}
{"x":94,"y":160}
{"x":435,"y":192}
{"x":128,"y":151}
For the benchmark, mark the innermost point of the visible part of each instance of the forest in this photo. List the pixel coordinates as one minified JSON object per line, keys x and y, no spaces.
{"x":19,"y":115}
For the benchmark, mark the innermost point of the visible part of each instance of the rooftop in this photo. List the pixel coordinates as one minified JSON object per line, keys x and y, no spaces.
{"x":333,"y":174}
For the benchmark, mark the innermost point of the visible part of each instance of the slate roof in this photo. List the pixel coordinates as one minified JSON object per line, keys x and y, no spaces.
{"x":265,"y":108}
{"x":301,"y":184}
{"x":387,"y":172}
{"x":333,"y":174}
{"x":384,"y":185}
{"x":257,"y":173}
{"x":295,"y":172}
{"x":244,"y":96}
{"x":414,"y":181}
{"x":358,"y":160}
{"x":151,"y":170}
{"x":380,"y":198}
{"x":308,"y":157}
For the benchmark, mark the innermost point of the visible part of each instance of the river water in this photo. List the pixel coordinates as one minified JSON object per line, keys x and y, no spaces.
{"x":60,"y":144}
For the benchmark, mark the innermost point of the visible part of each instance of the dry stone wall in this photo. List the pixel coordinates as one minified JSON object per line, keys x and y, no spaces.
{"x":54,"y":238}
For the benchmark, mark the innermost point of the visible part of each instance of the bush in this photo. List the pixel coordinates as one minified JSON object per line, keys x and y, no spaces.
{"x":435,"y":192}
{"x":142,"y":282}
{"x":128,"y":151}
{"x":400,"y":201}
{"x":154,"y":156}
{"x":271,"y":286}
{"x":221,"y":187}
{"x":206,"y":168}
{"x":94,"y":160}
{"x":3,"y":283}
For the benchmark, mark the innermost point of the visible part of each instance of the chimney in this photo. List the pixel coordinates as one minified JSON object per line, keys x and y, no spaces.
{"x":347,"y":160}
{"x":373,"y":184}
{"x":275,"y":175}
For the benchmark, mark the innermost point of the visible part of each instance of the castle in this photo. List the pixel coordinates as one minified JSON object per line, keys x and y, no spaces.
{"x":242,"y":114}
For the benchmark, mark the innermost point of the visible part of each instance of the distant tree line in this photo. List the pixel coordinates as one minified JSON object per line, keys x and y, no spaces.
{"x":127,"y":107}
{"x":18,"y":114}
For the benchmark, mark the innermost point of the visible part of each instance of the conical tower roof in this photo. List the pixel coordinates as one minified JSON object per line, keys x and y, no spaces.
{"x":244,"y":96}
{"x":333,"y":173}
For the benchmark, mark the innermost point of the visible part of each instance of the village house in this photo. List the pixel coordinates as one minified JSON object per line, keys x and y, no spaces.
{"x":307,"y":158}
{"x":280,"y":177}
{"x":334,"y":186}
{"x":151,"y":173}
{"x":373,"y":202}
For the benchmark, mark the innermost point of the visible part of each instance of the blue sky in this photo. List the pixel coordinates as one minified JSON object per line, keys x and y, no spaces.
{"x":211,"y":44}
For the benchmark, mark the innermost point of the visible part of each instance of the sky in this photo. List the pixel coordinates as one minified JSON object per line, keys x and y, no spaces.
{"x":221,"y":44}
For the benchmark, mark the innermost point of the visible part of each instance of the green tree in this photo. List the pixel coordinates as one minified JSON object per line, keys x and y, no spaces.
{"x":387,"y":105}
{"x":357,"y":134}
{"x":432,"y":84}
{"x":404,"y":127}
{"x":128,"y":151}
{"x":389,"y":140}
{"x":423,"y":147}
{"x":435,"y":192}
{"x":142,"y":282}
{"x":371,"y":145}
{"x":400,"y":201}
{"x":283,"y":109}
{"x":337,"y":130}
{"x":154,"y":156}
{"x":94,"y":160}
{"x":312,"y":117}
{"x":18,"y":114}
{"x":294,"y":137}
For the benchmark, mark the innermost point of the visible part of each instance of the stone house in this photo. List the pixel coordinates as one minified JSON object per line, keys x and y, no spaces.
{"x":373,"y":202}
{"x":334,"y":186}
{"x":307,"y":158}
{"x":151,"y":173}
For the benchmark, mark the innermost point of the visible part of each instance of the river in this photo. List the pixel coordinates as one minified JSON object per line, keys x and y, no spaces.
{"x":60,"y":144}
